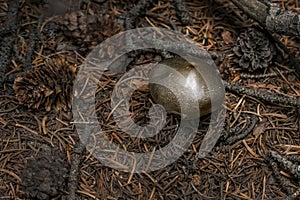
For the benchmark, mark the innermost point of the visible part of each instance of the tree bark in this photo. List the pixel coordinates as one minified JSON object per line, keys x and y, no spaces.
{"x":271,"y":17}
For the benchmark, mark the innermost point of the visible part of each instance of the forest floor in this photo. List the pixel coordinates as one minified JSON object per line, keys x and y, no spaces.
{"x":257,"y":156}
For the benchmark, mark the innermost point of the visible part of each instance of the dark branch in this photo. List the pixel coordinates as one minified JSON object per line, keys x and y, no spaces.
{"x":271,"y":17}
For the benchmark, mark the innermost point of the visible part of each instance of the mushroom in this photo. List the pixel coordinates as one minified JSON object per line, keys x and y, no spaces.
{"x":191,"y":88}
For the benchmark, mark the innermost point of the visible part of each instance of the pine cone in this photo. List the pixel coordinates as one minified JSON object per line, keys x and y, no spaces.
{"x":46,"y":175}
{"x":88,"y":31}
{"x":50,"y":85}
{"x":253,"y":50}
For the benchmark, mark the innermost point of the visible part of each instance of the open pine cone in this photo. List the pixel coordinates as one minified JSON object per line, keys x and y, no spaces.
{"x":49,"y":85}
{"x":253,"y":50}
{"x":46,"y":175}
{"x":88,"y":30}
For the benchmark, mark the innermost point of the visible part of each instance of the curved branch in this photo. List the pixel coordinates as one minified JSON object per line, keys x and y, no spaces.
{"x":271,"y":17}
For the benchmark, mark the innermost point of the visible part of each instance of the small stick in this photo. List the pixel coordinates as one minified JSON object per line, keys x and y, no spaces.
{"x":272,"y":98}
{"x":74,"y":171}
{"x":182,"y":12}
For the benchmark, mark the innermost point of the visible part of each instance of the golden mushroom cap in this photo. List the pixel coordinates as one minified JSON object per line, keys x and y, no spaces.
{"x":184,"y":85}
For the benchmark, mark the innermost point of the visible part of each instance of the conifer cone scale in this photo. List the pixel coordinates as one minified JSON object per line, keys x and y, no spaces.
{"x":88,"y":30}
{"x":253,"y":50}
{"x":49,"y":85}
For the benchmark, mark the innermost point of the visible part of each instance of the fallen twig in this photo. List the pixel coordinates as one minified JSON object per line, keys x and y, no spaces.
{"x":74,"y":171}
{"x":270,"y":16}
{"x":272,"y":98}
